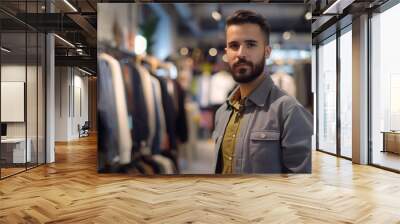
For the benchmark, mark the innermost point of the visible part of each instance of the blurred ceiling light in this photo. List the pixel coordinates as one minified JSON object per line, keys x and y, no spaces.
{"x":216,"y":15}
{"x":308,"y":16}
{"x":43,"y":7}
{"x":225,"y":58}
{"x":79,"y":50}
{"x":305,"y":54}
{"x":65,"y":41}
{"x":212,"y":52}
{"x":286,"y":35}
{"x":184,"y":51}
{"x":140,"y":44}
{"x":5,"y":50}
{"x":70,"y":5}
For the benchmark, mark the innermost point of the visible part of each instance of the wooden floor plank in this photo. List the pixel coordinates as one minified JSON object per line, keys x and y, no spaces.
{"x":71,"y":191}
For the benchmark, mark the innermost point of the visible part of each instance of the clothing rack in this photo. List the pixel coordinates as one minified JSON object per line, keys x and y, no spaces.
{"x":151,"y":115}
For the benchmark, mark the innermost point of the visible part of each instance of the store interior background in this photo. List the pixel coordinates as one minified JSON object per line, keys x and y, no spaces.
{"x":338,"y":53}
{"x":192,"y":36}
{"x":29,"y":57}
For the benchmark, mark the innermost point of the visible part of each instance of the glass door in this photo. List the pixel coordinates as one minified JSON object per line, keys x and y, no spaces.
{"x":385,"y":89}
{"x":326,"y":96}
{"x":345,"y":41}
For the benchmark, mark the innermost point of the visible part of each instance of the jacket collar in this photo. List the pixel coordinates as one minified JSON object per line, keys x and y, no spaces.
{"x":259,"y":94}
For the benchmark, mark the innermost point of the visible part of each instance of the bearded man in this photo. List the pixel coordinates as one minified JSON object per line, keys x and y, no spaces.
{"x":260,"y":128}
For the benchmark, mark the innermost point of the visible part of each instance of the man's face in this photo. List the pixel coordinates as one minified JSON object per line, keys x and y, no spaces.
{"x":246,"y":50}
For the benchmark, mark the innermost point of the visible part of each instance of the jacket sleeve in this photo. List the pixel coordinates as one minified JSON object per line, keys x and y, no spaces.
{"x":296,"y":140}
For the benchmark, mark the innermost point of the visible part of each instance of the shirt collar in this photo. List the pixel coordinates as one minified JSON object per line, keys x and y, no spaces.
{"x":259,"y":94}
{"x":235,"y":100}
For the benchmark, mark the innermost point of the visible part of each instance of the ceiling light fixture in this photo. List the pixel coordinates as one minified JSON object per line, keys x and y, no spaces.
{"x":225,"y":58}
{"x":184,"y":51}
{"x":337,"y":7}
{"x":308,"y":16}
{"x":213,"y":52}
{"x":331,"y":7}
{"x":70,"y":5}
{"x":216,"y":15}
{"x":140,"y":44}
{"x":5,"y":50}
{"x":286,"y":35}
{"x":65,"y":41}
{"x":86,"y":72}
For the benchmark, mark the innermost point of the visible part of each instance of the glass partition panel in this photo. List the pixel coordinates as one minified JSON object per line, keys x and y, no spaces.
{"x":346,"y":94}
{"x":327,"y":97}
{"x":385,"y":89}
{"x":15,"y":151}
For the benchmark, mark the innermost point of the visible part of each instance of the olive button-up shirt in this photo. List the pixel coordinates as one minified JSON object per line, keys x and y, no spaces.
{"x":232,"y":130}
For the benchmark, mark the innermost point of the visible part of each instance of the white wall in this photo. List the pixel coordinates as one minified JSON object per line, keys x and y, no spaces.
{"x":61,"y":103}
{"x":71,"y":93}
{"x":33,"y":126}
{"x":16,"y":73}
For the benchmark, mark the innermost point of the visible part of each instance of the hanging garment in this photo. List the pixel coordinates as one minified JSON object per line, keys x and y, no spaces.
{"x":285,"y":82}
{"x":159,"y":160}
{"x":161,"y":124}
{"x":171,"y":155}
{"x":156,"y":143}
{"x":148,"y":159}
{"x":204,"y":90}
{"x":107,"y":114}
{"x":169,"y":115}
{"x":181,"y":121}
{"x":136,"y":103}
{"x":167,"y":164}
{"x":149,"y":96}
{"x":172,"y":92}
{"x":221,"y":84}
{"x":124,"y":138}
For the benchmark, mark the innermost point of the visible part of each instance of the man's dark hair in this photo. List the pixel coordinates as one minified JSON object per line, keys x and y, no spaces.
{"x":246,"y":16}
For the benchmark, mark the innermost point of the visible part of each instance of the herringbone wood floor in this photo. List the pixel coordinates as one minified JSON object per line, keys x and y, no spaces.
{"x":71,"y":191}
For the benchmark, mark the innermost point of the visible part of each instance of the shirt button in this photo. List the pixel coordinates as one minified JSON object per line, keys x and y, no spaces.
{"x":230,"y":158}
{"x":233,"y":135}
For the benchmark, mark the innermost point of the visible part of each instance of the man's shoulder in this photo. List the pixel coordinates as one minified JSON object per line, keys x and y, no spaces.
{"x":281,"y":97}
{"x":286,"y":103}
{"x":221,"y":108}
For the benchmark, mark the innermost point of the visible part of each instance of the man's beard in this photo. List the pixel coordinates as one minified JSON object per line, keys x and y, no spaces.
{"x":247,"y":73}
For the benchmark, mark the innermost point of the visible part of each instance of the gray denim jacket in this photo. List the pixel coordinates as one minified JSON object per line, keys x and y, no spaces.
{"x":275,"y":133}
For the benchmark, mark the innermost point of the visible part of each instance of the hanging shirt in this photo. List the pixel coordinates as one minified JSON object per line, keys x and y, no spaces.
{"x":149,"y":96}
{"x":124,"y":138}
{"x":107,"y":115}
{"x":221,"y":84}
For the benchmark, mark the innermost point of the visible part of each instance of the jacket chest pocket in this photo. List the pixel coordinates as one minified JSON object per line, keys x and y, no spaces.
{"x":264,"y":145}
